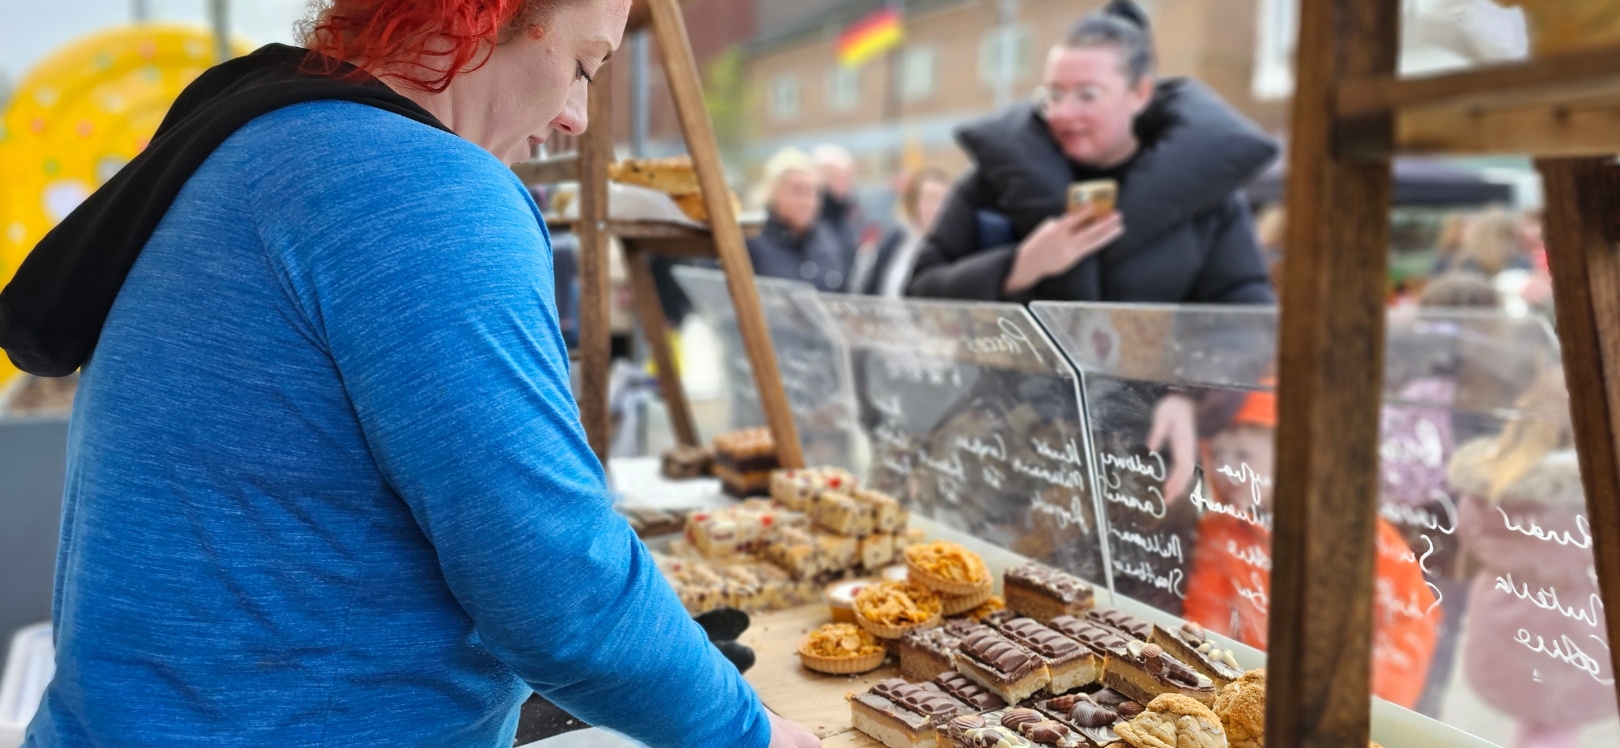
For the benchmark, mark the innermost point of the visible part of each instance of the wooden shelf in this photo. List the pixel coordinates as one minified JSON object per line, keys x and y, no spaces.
{"x":1562,"y":105}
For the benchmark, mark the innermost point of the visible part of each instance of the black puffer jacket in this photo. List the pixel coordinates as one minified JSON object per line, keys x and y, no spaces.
{"x":1188,"y":234}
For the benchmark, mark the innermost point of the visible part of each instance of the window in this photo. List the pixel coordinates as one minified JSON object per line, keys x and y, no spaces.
{"x":917,"y":66}
{"x":784,"y":97}
{"x":843,"y":88}
{"x":1004,"y":40}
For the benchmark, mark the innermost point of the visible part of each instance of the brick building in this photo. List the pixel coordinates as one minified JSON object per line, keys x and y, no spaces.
{"x":900,"y":109}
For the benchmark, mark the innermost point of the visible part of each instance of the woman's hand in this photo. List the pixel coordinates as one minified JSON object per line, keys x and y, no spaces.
{"x":1058,"y":243}
{"x":787,"y":734}
{"x":1175,"y":420}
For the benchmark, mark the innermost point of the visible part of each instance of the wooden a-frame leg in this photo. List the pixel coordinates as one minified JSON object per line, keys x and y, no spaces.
{"x":595,"y":334}
{"x":1582,"y":205}
{"x":650,"y":313}
{"x":680,"y":69}
{"x":1330,"y":356}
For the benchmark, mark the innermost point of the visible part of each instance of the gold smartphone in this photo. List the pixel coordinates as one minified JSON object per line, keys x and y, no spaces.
{"x":1098,"y":193}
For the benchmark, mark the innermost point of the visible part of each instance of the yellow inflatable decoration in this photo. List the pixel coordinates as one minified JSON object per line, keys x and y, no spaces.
{"x":80,"y":116}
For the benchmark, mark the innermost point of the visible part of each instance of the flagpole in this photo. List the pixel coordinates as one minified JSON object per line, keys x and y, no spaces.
{"x":891,"y":104}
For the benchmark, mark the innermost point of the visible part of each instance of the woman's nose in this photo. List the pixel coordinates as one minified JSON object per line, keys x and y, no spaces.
{"x":572,"y":119}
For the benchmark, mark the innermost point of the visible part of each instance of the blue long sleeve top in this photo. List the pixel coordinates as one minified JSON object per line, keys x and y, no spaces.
{"x":327,"y":485}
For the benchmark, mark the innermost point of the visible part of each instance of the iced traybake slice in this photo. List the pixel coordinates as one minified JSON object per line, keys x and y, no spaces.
{"x":1121,"y":621}
{"x":1192,"y":645}
{"x":1043,"y":593}
{"x":1174,"y":721}
{"x":1146,"y":672}
{"x":904,"y":715}
{"x":887,"y":511}
{"x":925,"y":653}
{"x":995,"y":662}
{"x":1070,"y":664}
{"x":877,"y":550}
{"x":796,"y":488}
{"x":841,"y":513}
{"x":686,"y":461}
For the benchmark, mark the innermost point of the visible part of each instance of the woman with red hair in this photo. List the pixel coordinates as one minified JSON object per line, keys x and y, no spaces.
{"x":327,"y":484}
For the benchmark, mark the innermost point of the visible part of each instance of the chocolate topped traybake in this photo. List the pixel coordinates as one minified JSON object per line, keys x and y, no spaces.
{"x":927,"y":652}
{"x":687,"y":461}
{"x":967,"y":691}
{"x":1070,"y":664}
{"x":1191,"y":644}
{"x":1018,"y":727}
{"x":1043,"y":593}
{"x":1102,"y":640}
{"x":1121,"y":621}
{"x":1147,"y":671}
{"x":904,"y":715}
{"x":744,"y":460}
{"x":995,"y":662}
{"x":1092,"y":716}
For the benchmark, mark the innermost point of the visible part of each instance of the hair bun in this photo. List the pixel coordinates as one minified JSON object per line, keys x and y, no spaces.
{"x":1128,"y":11}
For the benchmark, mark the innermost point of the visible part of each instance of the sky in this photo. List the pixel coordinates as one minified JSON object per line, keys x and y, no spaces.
{"x":30,"y":29}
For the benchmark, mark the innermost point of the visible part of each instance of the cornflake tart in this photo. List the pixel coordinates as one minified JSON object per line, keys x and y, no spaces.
{"x":841,"y":649}
{"x":890,"y":609}
{"x":948,"y":568}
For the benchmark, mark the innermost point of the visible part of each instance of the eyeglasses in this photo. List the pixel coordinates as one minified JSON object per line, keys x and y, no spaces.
{"x":1049,"y":97}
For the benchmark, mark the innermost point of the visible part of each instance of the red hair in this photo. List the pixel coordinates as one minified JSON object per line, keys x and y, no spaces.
{"x":425,"y":43}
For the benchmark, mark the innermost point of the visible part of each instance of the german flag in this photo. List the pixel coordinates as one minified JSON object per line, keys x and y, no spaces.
{"x":871,"y":36}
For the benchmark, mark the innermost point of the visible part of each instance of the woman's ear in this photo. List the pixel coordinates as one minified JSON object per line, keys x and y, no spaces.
{"x":535,"y":31}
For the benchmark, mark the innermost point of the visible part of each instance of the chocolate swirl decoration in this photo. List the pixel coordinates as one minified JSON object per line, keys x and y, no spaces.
{"x":1014,"y":719}
{"x":960,"y":724}
{"x":1045,"y":731}
{"x":994,"y":737}
{"x":1088,"y":714}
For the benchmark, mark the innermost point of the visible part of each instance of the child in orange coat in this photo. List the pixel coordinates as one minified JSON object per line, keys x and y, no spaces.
{"x":1228,"y":590}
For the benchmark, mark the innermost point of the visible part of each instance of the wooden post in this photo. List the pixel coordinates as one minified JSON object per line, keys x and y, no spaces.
{"x":680,"y":69}
{"x":1582,"y":204}
{"x":1330,"y":355}
{"x":595,"y":292}
{"x":656,"y":330}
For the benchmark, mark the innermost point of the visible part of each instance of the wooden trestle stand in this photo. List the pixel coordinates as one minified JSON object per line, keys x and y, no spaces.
{"x":1351,"y":115}
{"x":642,"y":240}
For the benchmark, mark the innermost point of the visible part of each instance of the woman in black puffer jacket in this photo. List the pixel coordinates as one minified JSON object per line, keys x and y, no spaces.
{"x":1182,"y":232}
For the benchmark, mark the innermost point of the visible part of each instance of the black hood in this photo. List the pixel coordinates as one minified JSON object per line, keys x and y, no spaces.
{"x":1196,"y":151}
{"x":52,"y":312}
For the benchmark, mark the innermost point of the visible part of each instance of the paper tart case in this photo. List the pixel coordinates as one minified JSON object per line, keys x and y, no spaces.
{"x":959,"y":604}
{"x":843,"y":665}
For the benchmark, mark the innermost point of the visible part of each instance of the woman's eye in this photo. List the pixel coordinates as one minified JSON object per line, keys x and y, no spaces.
{"x":580,"y":68}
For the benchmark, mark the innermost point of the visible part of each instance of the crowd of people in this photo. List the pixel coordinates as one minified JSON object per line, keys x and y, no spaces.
{"x":1004,"y":231}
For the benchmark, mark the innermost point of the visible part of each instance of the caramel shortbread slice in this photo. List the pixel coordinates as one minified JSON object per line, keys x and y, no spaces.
{"x":995,"y":662}
{"x":1192,"y":645}
{"x":1071,"y":665}
{"x":1146,"y":672}
{"x":904,"y":715}
{"x":1043,"y":593}
{"x":925,"y":653}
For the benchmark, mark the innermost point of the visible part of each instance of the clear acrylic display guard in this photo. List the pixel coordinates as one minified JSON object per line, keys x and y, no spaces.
{"x":1030,"y":429}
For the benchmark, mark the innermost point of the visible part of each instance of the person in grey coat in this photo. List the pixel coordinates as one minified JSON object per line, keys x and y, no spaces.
{"x":1181,"y":231}
{"x":794,"y":244}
